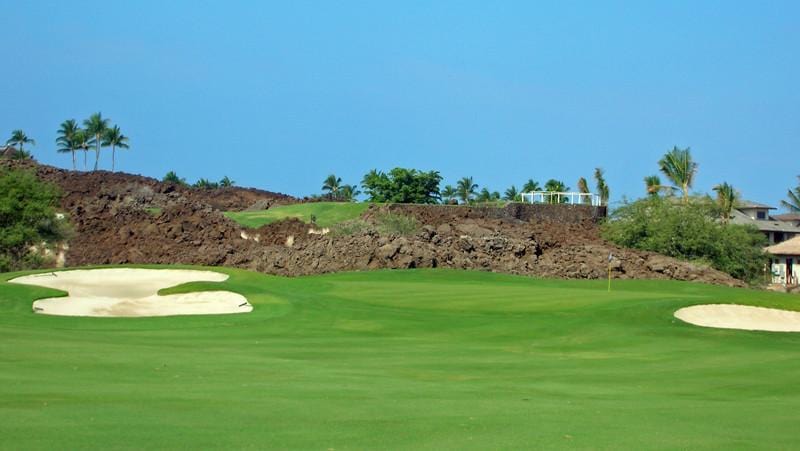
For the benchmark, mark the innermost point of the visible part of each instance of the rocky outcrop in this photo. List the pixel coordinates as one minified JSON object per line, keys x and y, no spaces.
{"x":121,"y":218}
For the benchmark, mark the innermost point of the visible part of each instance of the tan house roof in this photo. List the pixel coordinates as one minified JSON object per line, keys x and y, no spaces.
{"x":788,"y":247}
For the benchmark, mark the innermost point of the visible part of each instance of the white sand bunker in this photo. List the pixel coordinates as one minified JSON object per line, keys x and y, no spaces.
{"x":132,"y":292}
{"x":730,"y":316}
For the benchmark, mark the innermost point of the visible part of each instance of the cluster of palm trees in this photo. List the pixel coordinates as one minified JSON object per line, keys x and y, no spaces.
{"x":96,"y":133}
{"x":466,"y":190}
{"x":335,"y":190}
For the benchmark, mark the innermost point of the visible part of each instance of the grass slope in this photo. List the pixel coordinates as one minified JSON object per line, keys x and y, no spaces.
{"x":327,"y":213}
{"x":420,"y":359}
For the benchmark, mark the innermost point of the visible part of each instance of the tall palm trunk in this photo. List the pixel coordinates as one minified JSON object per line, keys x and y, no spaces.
{"x":73,"y":159}
{"x":113,"y":156}
{"x":85,"y":157}
{"x":96,"y":151}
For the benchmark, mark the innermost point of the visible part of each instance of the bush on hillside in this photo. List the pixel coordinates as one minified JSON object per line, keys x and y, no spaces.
{"x":690,"y":232}
{"x":172,"y":177}
{"x":402,"y":186}
{"x":396,"y":224}
{"x":28,"y":221}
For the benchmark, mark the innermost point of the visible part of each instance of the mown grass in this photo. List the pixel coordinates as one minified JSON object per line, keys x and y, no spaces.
{"x":422,"y":359}
{"x":326,"y":213}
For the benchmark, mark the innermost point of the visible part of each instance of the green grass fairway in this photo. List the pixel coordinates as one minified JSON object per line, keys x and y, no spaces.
{"x":327,"y":213}
{"x":423,"y":359}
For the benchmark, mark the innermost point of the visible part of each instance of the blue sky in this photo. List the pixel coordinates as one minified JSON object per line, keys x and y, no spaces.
{"x":279,"y":94}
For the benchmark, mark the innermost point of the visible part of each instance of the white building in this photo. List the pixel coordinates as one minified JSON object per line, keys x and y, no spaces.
{"x":757,"y":215}
{"x":785,"y":262}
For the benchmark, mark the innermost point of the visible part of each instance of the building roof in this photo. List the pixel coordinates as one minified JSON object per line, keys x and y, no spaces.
{"x":788,"y":217}
{"x":764,"y":225}
{"x":748,"y":204}
{"x":788,"y":247}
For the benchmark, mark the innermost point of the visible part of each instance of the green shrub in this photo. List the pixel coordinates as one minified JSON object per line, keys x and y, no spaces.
{"x":690,"y":232}
{"x":27,"y":219}
{"x":396,"y":224}
{"x":349,"y":228}
{"x":402,"y":186}
{"x":172,"y":177}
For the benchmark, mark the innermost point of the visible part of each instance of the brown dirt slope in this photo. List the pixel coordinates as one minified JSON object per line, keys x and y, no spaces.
{"x":121,"y":218}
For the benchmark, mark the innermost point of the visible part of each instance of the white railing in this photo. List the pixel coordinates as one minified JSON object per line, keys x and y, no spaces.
{"x":554,"y":197}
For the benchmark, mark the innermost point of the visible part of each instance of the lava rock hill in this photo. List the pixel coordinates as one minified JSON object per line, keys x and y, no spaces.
{"x":121,"y":218}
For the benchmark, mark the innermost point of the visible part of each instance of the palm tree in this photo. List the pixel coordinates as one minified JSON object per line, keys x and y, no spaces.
{"x":653,"y":185}
{"x":19,"y":139}
{"x":96,"y":126}
{"x":602,"y":187}
{"x":226,"y":182}
{"x":465,"y":189}
{"x":583,"y":188}
{"x":484,"y":196}
{"x":113,"y":137}
{"x":511,"y":194}
{"x":555,"y":186}
{"x":66,"y":138}
{"x":678,"y":166}
{"x":448,"y":193}
{"x":348,"y":193}
{"x":793,"y":204}
{"x":83,"y":142}
{"x":726,"y":198}
{"x":531,"y":186}
{"x":172,"y":177}
{"x":331,"y":184}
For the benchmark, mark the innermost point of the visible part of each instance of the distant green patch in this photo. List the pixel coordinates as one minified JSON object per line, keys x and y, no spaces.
{"x":326,"y":213}
{"x":154,"y":211}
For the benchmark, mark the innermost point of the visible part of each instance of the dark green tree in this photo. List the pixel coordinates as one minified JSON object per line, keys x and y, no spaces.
{"x":28,"y":220}
{"x":402,"y":185}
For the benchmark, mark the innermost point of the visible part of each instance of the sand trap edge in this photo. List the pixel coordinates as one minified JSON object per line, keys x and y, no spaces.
{"x":740,"y":317}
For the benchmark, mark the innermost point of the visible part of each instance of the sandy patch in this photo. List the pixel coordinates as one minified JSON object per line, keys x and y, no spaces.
{"x":730,"y":316}
{"x":132,"y":292}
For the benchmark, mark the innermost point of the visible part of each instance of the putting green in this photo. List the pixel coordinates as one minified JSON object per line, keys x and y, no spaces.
{"x":326,"y":213}
{"x":421,"y":359}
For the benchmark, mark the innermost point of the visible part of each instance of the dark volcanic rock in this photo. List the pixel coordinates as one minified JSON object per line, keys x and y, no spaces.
{"x":121,"y":218}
